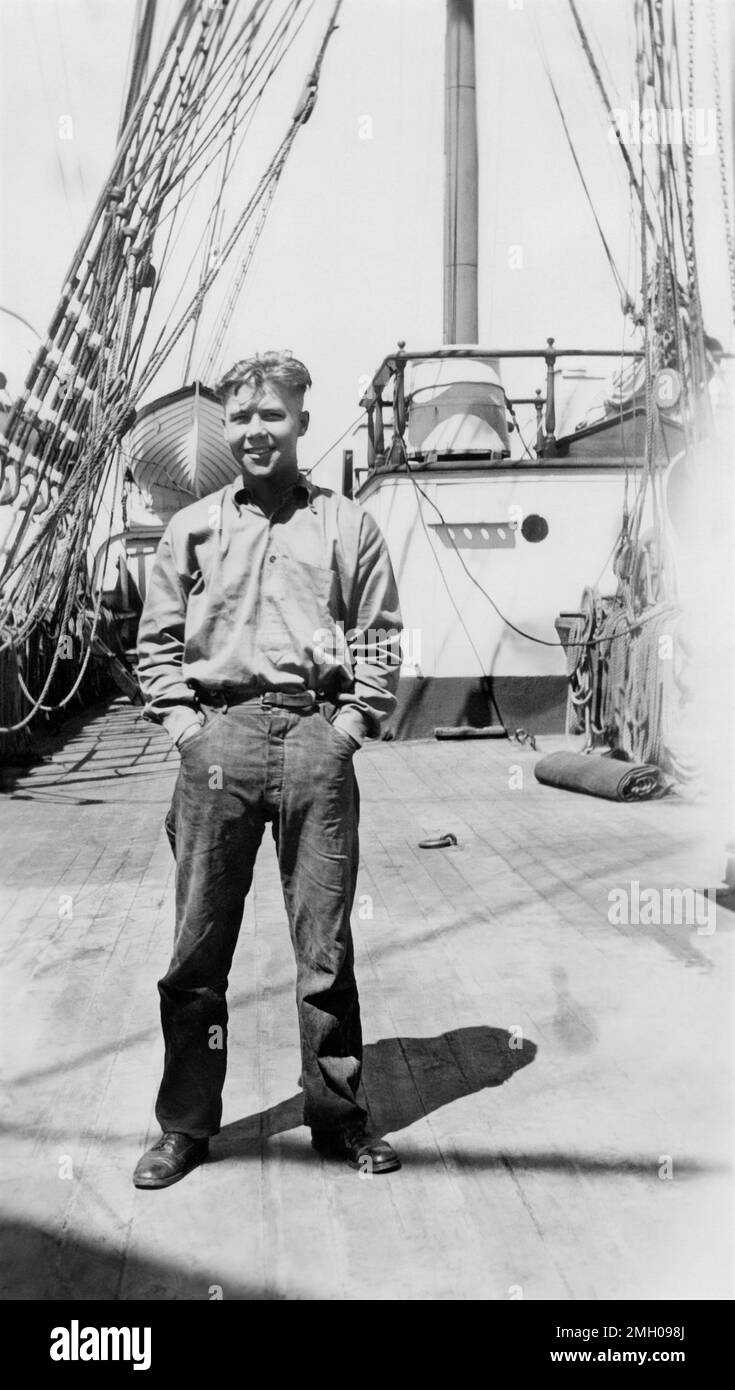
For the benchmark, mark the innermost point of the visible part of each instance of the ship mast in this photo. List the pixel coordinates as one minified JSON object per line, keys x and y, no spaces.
{"x":461,"y":175}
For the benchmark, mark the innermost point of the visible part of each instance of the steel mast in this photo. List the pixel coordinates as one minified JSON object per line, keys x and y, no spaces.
{"x":461,"y":176}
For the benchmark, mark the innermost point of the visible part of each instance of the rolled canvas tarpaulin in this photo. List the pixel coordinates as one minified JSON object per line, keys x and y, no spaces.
{"x":600,"y":776}
{"x":467,"y":731}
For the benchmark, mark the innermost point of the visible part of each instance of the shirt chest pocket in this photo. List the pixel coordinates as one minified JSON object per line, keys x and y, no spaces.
{"x":298,"y":601}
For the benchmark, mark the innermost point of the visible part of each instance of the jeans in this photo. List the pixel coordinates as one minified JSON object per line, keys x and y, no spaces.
{"x":247,"y":765}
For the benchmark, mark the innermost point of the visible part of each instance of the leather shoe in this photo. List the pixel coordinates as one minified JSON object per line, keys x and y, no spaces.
{"x":356,"y":1147}
{"x":169,"y":1160}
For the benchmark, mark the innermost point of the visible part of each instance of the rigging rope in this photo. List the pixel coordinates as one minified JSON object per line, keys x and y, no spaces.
{"x":610,"y":113}
{"x":625,"y":299}
{"x":631,"y":692}
{"x":63,"y":432}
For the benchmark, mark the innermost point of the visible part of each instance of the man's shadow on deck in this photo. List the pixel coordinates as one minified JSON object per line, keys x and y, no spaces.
{"x":404,"y":1079}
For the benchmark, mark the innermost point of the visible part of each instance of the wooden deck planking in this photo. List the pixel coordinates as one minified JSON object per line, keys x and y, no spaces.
{"x":540,"y":1177}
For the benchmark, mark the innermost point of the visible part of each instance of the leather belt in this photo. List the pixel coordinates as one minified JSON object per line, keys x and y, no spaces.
{"x":302,"y":699}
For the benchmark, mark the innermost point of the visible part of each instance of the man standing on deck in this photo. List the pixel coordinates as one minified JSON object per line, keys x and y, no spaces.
{"x":266,"y":598}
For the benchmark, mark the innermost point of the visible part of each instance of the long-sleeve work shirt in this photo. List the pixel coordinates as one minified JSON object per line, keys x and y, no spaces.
{"x":303,"y":599}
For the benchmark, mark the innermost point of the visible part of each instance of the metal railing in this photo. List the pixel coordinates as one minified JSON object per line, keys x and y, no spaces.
{"x":394,"y":366}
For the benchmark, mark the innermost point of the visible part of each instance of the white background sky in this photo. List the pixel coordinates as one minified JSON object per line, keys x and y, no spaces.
{"x":351,"y":257}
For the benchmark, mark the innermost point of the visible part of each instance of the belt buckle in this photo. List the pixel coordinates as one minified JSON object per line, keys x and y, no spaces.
{"x":281,"y":699}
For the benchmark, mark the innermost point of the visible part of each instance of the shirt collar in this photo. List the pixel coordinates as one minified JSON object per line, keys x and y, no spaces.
{"x":240,"y":494}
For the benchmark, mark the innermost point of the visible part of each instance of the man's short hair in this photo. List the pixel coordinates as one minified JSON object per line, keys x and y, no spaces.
{"x":281,"y":368}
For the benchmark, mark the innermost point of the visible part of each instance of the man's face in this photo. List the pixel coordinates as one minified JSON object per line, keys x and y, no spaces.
{"x":262,"y":427}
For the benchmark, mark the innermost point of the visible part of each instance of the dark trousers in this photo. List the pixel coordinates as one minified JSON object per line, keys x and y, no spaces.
{"x":249,"y":765}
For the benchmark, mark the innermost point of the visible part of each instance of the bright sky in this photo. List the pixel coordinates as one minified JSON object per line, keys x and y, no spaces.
{"x":351,"y":257}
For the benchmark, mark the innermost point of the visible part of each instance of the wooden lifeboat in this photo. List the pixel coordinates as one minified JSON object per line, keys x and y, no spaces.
{"x":176,"y":443}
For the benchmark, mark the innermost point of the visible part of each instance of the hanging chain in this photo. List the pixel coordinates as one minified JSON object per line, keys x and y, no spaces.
{"x":698,"y":357}
{"x":730,"y":244}
{"x":645,"y":287}
{"x":689,"y":251}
